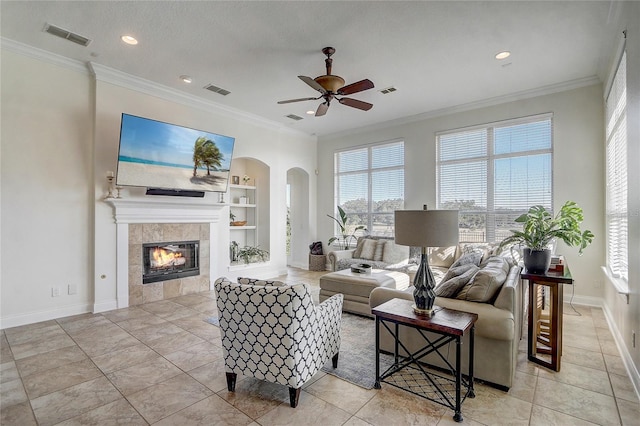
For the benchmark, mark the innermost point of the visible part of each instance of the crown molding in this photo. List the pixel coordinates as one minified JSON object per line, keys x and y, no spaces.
{"x":498,"y":100}
{"x":43,"y":55}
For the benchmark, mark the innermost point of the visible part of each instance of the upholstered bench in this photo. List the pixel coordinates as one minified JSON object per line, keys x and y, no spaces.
{"x":357,"y":287}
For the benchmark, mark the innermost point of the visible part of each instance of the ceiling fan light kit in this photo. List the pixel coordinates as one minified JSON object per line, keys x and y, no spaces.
{"x":330,"y":86}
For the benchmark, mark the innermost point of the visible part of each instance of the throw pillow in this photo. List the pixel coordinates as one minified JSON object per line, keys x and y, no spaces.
{"x":442,"y":257}
{"x":486,"y":282}
{"x":456,"y":278}
{"x":368,"y":249}
{"x":358,"y":251}
{"x":377,"y":256}
{"x":395,"y":253}
{"x":472,"y":258}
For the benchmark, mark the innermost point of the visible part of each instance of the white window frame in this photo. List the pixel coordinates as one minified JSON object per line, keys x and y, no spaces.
{"x":489,"y":158}
{"x":370,"y":170}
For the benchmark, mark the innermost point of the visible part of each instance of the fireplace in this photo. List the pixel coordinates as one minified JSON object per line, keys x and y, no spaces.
{"x":170,"y":260}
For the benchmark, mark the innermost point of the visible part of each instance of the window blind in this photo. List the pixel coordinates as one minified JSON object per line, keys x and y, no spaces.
{"x":616,"y":175}
{"x":494,"y":173}
{"x":369,"y":185}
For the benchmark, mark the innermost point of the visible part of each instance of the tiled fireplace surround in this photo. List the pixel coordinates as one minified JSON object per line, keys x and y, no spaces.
{"x":142,"y":220}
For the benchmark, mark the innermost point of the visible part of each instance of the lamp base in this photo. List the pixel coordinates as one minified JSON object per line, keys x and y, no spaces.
{"x":423,"y":312}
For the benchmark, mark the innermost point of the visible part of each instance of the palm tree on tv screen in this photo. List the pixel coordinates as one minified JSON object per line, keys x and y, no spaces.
{"x":205,"y":152}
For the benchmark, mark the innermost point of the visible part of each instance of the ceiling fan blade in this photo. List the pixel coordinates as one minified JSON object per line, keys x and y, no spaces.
{"x":365,"y":106}
{"x":322,"y":109}
{"x":314,"y":84}
{"x":297,"y":100}
{"x":356,"y":87}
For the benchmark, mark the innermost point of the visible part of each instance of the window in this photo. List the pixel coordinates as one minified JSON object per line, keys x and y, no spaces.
{"x":617,"y":214}
{"x":494,"y":173}
{"x":369,"y":185}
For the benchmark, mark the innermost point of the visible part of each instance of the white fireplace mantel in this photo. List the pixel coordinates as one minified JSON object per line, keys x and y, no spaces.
{"x":152,"y":210}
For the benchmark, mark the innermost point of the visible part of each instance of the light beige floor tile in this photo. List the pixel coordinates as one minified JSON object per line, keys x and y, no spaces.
{"x":195,"y":356}
{"x":615,"y":365}
{"x":91,"y":322}
{"x":608,"y":347}
{"x":310,"y":411}
{"x":577,"y":402}
{"x":31,"y":335}
{"x":153,"y":332}
{"x":52,"y":359}
{"x":356,"y":421}
{"x":492,"y":406}
{"x":583,"y":377}
{"x":256,"y":397}
{"x":629,"y":412}
{"x":525,"y":366}
{"x":585,"y":358}
{"x":588,"y":342}
{"x":73,"y":318}
{"x":541,"y":416}
{"x":524,"y":386}
{"x":99,"y":345}
{"x":44,"y":382}
{"x":391,"y":406}
{"x":119,"y":412}
{"x":36,"y":347}
{"x":123,"y":358}
{"x":623,"y":388}
{"x":12,"y":393}
{"x":141,"y":376}
{"x":5,"y":349}
{"x":28,"y":327}
{"x":18,"y":414}
{"x":196,"y":325}
{"x":341,"y":393}
{"x":141,"y":322}
{"x":212,"y":375}
{"x":104,"y":328}
{"x":210,"y":411}
{"x":174,"y":342}
{"x":8,"y":372}
{"x":164,"y":399}
{"x":447,"y":420}
{"x":71,"y":402}
{"x":163,"y":309}
{"x":190,"y":300}
{"x":125,"y":314}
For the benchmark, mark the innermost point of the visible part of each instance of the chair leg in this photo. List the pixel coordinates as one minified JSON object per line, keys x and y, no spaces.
{"x":294,"y":395}
{"x":231,"y":381}
{"x":334,"y":360}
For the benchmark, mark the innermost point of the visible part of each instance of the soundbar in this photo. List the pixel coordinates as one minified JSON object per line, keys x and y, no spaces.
{"x":175,"y":192}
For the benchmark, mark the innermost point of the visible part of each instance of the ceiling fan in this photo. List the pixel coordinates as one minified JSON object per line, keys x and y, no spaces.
{"x":332,"y":86}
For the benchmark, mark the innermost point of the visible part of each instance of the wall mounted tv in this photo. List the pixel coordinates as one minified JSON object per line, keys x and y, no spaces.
{"x":167,"y":156}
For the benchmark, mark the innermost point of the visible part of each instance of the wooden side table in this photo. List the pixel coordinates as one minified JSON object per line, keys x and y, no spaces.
{"x":449,"y":326}
{"x":545,"y":316}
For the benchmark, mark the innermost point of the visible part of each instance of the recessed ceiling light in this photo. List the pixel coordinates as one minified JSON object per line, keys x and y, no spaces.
{"x":311,"y":112}
{"x":503,"y":55}
{"x":186,"y":78}
{"x":129,"y":39}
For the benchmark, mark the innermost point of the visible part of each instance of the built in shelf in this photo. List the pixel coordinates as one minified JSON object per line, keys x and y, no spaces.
{"x":242,"y":186}
{"x":235,"y":266}
{"x":243,"y":205}
{"x":233,"y":228}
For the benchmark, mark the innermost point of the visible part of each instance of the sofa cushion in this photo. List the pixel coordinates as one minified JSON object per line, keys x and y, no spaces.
{"x":368,"y":249}
{"x":395,"y":253}
{"x":456,"y":278}
{"x":442,"y":257}
{"x":377,"y":256}
{"x":486,"y":282}
{"x":358,"y":251}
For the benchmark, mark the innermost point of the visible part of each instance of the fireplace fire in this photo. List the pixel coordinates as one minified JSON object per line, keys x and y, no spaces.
{"x":170,"y":260}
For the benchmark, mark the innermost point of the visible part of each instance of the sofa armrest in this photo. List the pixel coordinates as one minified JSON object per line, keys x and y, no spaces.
{"x":335,"y":255}
{"x":379,"y":295}
{"x":512,"y":298}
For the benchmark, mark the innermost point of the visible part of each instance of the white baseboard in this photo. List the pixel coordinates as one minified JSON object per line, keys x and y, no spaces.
{"x":632,"y":371}
{"x":105,"y":306}
{"x":39,"y":316}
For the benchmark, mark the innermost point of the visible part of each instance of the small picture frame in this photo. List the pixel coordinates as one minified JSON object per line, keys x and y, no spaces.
{"x":235,"y":180}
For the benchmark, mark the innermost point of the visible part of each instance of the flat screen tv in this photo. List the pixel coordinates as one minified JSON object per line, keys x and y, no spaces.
{"x":155,"y":154}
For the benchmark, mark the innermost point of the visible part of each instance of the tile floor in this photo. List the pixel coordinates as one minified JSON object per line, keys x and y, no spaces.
{"x":160,"y":363}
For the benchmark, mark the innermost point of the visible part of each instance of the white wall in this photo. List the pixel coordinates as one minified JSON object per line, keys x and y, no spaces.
{"x":47,"y":179}
{"x":60,"y":131}
{"x":578,"y":168}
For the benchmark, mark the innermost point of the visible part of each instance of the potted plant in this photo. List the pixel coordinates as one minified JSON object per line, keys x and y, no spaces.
{"x":251,"y":254}
{"x":345,"y":238}
{"x":540,"y":228}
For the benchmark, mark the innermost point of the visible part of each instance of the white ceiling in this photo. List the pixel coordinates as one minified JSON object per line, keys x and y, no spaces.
{"x":438,"y":55}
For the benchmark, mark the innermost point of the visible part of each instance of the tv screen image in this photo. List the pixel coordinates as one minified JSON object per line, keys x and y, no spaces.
{"x":155,"y":154}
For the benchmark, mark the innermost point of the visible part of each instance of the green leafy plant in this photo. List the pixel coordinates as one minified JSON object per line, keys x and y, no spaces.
{"x":347,"y":232}
{"x":539,"y":228}
{"x":248,"y":254}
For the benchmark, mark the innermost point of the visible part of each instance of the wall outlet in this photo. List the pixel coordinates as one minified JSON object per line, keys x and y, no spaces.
{"x":73,"y":289}
{"x":633,"y":338}
{"x":55,"y":291}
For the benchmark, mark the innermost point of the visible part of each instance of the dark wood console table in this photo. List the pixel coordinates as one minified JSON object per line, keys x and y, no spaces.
{"x":545,"y":316}
{"x":450,"y":326}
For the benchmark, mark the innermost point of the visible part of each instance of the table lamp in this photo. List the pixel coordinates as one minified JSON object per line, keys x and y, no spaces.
{"x":425,"y":228}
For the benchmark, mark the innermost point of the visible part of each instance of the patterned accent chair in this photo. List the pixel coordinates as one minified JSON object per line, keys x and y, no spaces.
{"x":276,"y":333}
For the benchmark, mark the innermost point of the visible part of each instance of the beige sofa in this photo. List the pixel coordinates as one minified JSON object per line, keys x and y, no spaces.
{"x":498,"y":329}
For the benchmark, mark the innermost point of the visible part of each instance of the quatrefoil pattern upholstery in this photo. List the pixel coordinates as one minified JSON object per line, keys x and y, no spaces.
{"x":276,"y":333}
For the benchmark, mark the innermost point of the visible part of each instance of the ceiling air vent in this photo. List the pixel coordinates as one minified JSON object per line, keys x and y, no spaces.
{"x":388,"y":90}
{"x":294,"y":117}
{"x":67,"y":35}
{"x":216,"y":89}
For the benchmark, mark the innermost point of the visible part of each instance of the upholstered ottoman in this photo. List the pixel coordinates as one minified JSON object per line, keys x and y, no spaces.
{"x":357,"y":287}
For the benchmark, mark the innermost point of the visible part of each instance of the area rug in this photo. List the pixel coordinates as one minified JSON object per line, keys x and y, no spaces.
{"x":357,"y":359}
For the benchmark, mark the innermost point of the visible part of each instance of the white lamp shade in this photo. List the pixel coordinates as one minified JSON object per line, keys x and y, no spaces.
{"x":426,"y":228}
